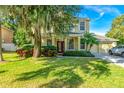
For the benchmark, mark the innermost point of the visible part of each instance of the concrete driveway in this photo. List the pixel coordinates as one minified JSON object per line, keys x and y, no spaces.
{"x":111,"y":58}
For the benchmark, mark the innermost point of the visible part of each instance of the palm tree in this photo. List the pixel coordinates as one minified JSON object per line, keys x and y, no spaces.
{"x":89,"y":39}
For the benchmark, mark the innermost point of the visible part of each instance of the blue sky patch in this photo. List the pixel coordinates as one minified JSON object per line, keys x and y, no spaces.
{"x":101,"y":16}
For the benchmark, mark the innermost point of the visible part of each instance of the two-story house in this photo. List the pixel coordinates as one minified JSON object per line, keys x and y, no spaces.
{"x":70,"y":41}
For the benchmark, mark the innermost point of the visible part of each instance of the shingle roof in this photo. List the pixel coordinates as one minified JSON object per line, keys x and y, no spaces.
{"x":105,"y":39}
{"x":6,"y":28}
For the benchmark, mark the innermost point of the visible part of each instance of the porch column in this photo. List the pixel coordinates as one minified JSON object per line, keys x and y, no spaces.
{"x":79,"y":43}
{"x":53,"y":41}
{"x":65,"y":44}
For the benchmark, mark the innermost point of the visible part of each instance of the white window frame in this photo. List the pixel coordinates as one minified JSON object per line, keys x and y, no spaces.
{"x":84,"y":24}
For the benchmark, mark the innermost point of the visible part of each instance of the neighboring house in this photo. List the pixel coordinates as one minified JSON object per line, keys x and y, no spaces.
{"x":7,"y":39}
{"x":72,"y":41}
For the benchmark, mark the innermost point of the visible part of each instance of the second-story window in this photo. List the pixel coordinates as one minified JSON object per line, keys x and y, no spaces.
{"x":82,"y":25}
{"x":71,"y":28}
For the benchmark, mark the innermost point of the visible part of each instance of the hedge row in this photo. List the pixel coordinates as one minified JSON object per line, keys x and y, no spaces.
{"x":78,"y":53}
{"x":49,"y":51}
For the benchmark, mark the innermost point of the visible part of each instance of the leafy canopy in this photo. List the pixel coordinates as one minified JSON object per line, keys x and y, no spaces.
{"x":21,"y":38}
{"x":117,"y":29}
{"x":57,"y":18}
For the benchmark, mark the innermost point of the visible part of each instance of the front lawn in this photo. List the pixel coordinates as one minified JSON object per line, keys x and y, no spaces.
{"x":59,"y":72}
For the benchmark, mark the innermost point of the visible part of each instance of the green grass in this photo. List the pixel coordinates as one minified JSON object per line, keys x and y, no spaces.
{"x":59,"y":72}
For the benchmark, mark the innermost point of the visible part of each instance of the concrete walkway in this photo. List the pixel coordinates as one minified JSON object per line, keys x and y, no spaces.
{"x":110,"y":58}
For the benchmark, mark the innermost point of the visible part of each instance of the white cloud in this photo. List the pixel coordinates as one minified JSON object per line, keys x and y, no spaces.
{"x":95,"y":8}
{"x":100,"y":16}
{"x":102,"y":13}
{"x":101,"y":10}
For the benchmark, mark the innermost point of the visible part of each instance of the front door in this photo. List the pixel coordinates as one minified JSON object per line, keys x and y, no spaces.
{"x":60,"y":46}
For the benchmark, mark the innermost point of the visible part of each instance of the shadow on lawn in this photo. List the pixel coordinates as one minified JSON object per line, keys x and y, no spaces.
{"x":65,"y":78}
{"x":64,"y":73}
{"x":21,"y":59}
{"x":3,"y":71}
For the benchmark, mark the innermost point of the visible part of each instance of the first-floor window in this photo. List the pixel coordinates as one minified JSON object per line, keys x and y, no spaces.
{"x":71,"y":44}
{"x":49,"y":42}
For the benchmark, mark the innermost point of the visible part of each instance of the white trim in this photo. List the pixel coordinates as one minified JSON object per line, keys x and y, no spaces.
{"x":71,"y":49}
{"x":85,"y":27}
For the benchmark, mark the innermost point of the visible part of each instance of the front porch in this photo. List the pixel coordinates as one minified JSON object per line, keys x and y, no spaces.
{"x":64,"y":43}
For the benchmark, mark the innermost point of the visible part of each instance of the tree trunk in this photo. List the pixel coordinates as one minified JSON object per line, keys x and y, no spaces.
{"x":1,"y":57}
{"x":37,"y":42}
{"x":86,"y":47}
{"x":90,"y":46}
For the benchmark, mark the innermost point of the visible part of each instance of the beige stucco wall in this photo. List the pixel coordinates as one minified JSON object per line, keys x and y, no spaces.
{"x":103,"y":47}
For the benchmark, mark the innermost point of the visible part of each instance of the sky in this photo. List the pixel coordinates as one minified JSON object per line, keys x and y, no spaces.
{"x":101,"y":16}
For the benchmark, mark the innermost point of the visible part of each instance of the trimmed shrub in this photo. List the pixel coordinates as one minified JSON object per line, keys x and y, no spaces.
{"x":3,"y":49}
{"x":78,"y":53}
{"x":49,"y":51}
{"x":27,"y":47}
{"x":25,"y":51}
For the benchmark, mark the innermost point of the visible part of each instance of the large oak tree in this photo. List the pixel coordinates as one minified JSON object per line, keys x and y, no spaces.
{"x":35,"y":19}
